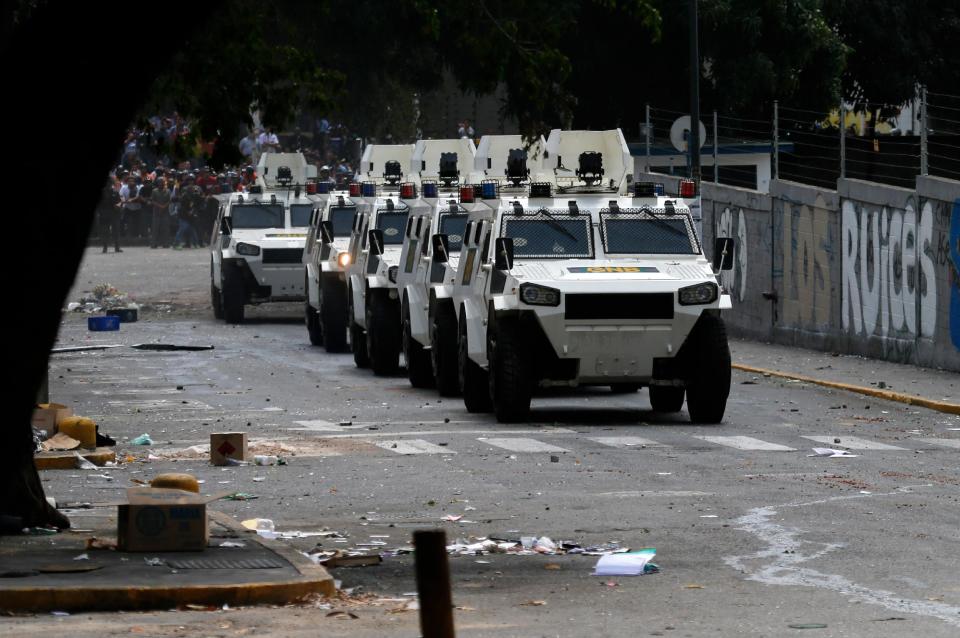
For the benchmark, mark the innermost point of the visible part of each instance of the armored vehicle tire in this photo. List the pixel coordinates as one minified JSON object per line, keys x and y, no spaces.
{"x":358,"y":342}
{"x":666,"y":398}
{"x":383,"y":334}
{"x":231,"y":293}
{"x":419,"y":367}
{"x":215,"y":301}
{"x":708,"y":370}
{"x":474,"y":380}
{"x":444,"y":354}
{"x":511,"y":372}
{"x":333,"y":314}
{"x":624,"y":388}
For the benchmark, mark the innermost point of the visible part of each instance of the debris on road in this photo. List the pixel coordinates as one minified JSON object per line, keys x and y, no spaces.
{"x":627,"y":563}
{"x":240,"y":496}
{"x":832,"y":453}
{"x":143,"y":439}
{"x":60,"y":442}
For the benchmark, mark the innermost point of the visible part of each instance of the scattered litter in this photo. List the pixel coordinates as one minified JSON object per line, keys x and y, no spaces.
{"x":232,"y":544}
{"x":84,"y":464}
{"x":469,"y":508}
{"x":693,"y":586}
{"x":239,"y":496}
{"x":808,"y":625}
{"x":59,"y":613}
{"x":452,"y":518}
{"x":101,"y":543}
{"x":534,"y":603}
{"x":59,"y":442}
{"x":143,"y":439}
{"x":342,"y":615}
{"x":664,"y":473}
{"x":552,"y":566}
{"x":352,"y":561}
{"x":627,"y":564}
{"x":410,"y":605}
{"x":82,"y":557}
{"x":709,"y":516}
{"x":554,"y":458}
{"x":259,"y":479}
{"x":154,"y":562}
{"x":266,"y":459}
{"x":831,"y":453}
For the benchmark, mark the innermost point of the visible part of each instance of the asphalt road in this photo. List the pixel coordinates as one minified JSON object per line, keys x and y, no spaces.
{"x":752,"y":534}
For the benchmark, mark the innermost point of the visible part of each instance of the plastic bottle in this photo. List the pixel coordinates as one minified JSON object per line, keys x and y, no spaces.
{"x":265,"y":459}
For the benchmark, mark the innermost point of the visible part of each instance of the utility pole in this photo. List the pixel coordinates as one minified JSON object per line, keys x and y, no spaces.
{"x":694,"y":140}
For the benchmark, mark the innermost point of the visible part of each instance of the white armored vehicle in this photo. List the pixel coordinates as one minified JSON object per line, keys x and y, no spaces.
{"x":583,"y":282}
{"x":427,"y":267}
{"x":376,"y":241}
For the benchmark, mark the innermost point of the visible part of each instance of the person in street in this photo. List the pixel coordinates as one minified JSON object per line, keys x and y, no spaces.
{"x":190,"y":202}
{"x":325,"y":175}
{"x":160,"y":226}
{"x":111,"y":216}
{"x":268,"y":142}
{"x":248,"y":145}
{"x":130,"y":202}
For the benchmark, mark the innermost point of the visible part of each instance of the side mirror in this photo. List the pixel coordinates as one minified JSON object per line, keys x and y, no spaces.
{"x":503,"y":253}
{"x":226,"y":226}
{"x":376,"y":241}
{"x":326,"y":232}
{"x":441,"y":248}
{"x":723,"y":253}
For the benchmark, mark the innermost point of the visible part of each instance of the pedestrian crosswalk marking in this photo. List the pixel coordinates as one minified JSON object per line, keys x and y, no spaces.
{"x":625,"y":441}
{"x":853,"y":443}
{"x":745,"y":443}
{"x":413,"y":446}
{"x":944,"y":442}
{"x":520,"y":444}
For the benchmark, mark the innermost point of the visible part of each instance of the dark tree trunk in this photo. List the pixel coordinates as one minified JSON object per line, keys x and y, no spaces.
{"x":76,"y":73}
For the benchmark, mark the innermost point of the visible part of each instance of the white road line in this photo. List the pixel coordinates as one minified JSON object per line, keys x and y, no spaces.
{"x":625,"y":441}
{"x":415,"y":446}
{"x":853,"y":443}
{"x":161,"y":404}
{"x":370,"y":435}
{"x":745,"y":443}
{"x":520,"y":444}
{"x":944,"y":442}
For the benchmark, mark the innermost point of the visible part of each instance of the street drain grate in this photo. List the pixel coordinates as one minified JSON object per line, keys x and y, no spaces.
{"x":226,"y":563}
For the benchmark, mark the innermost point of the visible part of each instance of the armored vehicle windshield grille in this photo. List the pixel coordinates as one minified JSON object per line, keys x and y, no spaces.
{"x":342,"y":220}
{"x":650,"y":305}
{"x":282,"y":255}
{"x":453,"y":225}
{"x":392,"y":223}
{"x":549,"y":234}
{"x":647,"y":231}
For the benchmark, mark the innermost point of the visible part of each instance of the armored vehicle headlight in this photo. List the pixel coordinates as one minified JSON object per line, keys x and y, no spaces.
{"x":248,"y":249}
{"x":392,"y":273}
{"x":343,"y":259}
{"x":698,"y":294}
{"x":535,"y":295}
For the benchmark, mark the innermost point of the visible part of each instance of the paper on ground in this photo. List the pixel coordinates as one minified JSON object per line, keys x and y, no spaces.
{"x":831,"y":453}
{"x":625,"y":564}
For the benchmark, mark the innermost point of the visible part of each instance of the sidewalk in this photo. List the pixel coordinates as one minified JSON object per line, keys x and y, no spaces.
{"x":932,"y":385}
{"x":49,"y":573}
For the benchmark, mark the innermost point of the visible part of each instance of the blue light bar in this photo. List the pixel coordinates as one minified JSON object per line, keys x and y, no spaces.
{"x":429,"y":189}
{"x":323,"y":188}
{"x":368,"y":189}
{"x":488,"y":189}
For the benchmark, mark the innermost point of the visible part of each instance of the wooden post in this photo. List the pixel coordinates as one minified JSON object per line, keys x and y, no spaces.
{"x":433,"y":583}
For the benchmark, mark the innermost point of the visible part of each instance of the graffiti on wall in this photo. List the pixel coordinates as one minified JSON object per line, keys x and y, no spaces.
{"x":953,"y":275}
{"x":808,"y":250}
{"x":734,"y":225}
{"x":889,"y":287}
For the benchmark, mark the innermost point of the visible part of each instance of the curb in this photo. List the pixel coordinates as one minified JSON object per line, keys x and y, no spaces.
{"x":312,"y":579}
{"x":889,"y":395}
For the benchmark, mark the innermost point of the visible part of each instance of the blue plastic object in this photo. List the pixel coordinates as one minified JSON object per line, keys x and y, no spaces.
{"x":368,"y":189}
{"x":488,"y":190}
{"x":323,"y":188}
{"x":429,"y":189}
{"x":99,"y":324}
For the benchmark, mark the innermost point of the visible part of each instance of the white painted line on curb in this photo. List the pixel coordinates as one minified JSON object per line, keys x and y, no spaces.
{"x":853,"y":443}
{"x":522,"y":445}
{"x":745,"y":443}
{"x":415,"y":446}
{"x":625,"y":441}
{"x":944,"y":442}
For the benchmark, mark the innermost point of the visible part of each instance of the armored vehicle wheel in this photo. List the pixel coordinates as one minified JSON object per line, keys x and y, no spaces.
{"x":511,"y":375}
{"x":419,"y":368}
{"x":333,"y":314}
{"x":444,"y":354}
{"x":666,"y":398}
{"x":313,"y":326}
{"x":708,"y":370}
{"x":383,"y":335}
{"x":474,"y":380}
{"x":216,"y":302}
{"x":358,"y":342}
{"x":624,"y":388}
{"x":231,"y":292}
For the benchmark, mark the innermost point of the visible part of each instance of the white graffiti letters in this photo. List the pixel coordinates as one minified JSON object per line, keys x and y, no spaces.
{"x":735,"y":281}
{"x":886,"y":269}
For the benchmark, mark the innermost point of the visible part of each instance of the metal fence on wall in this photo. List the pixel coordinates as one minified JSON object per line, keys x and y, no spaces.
{"x":883,"y":143}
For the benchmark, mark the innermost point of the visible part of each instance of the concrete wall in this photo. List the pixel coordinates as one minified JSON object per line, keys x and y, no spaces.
{"x":865,"y":269}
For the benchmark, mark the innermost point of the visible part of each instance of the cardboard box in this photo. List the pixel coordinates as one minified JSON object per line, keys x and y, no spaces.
{"x":228,"y":445}
{"x":163,"y":520}
{"x":46,"y":416}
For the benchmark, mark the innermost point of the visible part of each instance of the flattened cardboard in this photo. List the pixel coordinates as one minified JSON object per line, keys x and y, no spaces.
{"x":228,"y":445}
